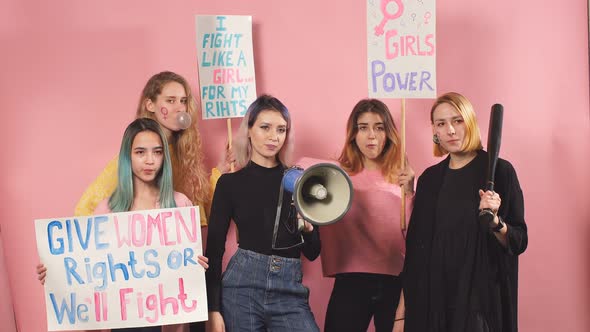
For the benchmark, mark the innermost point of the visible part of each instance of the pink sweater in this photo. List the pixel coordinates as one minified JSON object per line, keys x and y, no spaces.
{"x":180,"y":199}
{"x":369,"y":238}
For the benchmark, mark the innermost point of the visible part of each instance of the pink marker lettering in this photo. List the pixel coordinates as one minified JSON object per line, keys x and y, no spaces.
{"x":140,"y":304}
{"x":122,"y":239}
{"x":138,"y":229}
{"x":154,"y":223}
{"x":191,"y":234}
{"x":152,"y":305}
{"x":124,"y":301}
{"x":165,"y":217}
{"x":182,"y":297}
{"x":97,"y":306}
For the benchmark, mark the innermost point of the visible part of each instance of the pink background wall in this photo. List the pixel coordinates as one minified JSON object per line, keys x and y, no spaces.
{"x":72,"y":72}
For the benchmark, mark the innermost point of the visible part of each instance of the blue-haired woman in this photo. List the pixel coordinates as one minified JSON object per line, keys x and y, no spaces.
{"x":144,"y":181}
{"x":261,"y":289}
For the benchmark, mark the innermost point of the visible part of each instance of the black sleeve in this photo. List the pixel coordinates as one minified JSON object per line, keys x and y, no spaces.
{"x":512,"y":209}
{"x":412,"y":239}
{"x":313,"y":245}
{"x":221,"y":212}
{"x":512,"y":212}
{"x":415,"y":276}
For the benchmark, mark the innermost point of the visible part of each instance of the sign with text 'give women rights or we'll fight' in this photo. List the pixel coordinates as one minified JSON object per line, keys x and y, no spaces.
{"x":123,"y":269}
{"x":226,"y":65}
{"x":401,"y":48}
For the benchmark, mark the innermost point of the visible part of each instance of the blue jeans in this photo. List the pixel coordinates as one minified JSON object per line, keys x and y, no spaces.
{"x":265,"y":293}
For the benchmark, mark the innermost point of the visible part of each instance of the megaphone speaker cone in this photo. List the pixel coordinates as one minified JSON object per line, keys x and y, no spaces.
{"x":322,"y":193}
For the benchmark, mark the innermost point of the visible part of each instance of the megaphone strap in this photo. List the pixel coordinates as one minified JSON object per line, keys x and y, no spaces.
{"x":275,"y":232}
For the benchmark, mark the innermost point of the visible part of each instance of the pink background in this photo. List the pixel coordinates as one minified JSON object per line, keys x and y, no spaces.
{"x":72,"y":72}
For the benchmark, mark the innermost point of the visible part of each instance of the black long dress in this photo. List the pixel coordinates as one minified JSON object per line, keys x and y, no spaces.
{"x":457,"y":276}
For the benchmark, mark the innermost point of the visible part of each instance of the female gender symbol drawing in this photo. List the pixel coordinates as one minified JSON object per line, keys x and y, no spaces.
{"x":387,"y":16}
{"x":164,"y":111}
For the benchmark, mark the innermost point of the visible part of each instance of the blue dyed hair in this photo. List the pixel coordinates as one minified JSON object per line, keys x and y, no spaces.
{"x":122,"y":198}
{"x":243,"y":148}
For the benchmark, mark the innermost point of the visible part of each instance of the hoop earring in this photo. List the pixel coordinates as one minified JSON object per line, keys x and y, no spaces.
{"x":435,"y":139}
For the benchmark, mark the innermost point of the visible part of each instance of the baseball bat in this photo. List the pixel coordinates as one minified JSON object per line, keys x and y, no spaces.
{"x":486,"y":216}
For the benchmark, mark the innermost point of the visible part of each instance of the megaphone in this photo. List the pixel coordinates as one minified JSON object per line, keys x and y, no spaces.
{"x":322,"y":193}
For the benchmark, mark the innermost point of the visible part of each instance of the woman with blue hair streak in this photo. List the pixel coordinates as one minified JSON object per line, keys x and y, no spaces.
{"x":261,"y":289}
{"x":144,"y":182}
{"x":145,"y":172}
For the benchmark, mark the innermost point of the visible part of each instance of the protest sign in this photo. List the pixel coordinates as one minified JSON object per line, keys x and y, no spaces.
{"x":126,"y":269}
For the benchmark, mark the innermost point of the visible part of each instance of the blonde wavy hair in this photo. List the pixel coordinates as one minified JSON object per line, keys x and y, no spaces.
{"x":461,"y":104}
{"x":351,"y":157}
{"x":189,"y":175}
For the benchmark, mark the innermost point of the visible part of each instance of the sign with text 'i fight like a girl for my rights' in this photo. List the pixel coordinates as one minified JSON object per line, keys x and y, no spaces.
{"x":226,"y":65}
{"x":125,"y":269}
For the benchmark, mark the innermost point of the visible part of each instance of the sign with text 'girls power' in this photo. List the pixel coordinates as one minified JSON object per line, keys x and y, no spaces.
{"x":123,"y":269}
{"x":401,"y":48}
{"x":226,"y":65}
